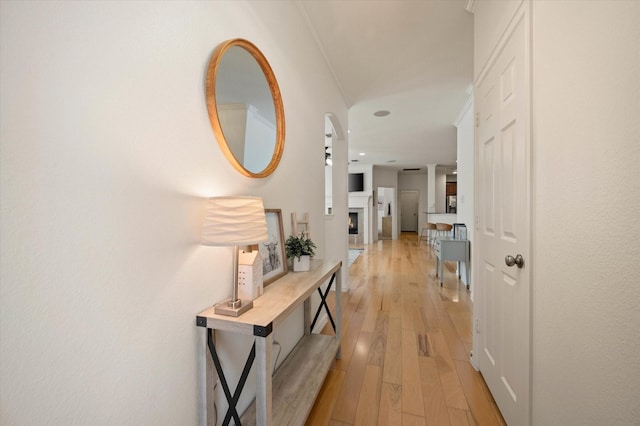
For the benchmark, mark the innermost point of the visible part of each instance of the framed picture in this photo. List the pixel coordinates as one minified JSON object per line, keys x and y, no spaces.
{"x":274,"y":258}
{"x":459,"y":231}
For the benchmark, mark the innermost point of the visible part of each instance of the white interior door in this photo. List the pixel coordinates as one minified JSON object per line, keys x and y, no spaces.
{"x":503,"y":223}
{"x":409,"y":211}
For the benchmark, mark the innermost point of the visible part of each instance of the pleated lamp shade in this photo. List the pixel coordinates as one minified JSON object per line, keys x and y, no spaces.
{"x":234,"y":221}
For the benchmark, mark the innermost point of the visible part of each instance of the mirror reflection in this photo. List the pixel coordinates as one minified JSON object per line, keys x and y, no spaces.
{"x":245,"y":108}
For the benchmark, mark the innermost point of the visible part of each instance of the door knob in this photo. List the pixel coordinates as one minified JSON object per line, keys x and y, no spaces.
{"x":518,"y":260}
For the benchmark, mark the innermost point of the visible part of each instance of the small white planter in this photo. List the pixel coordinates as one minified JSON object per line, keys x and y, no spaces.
{"x":302,"y":264}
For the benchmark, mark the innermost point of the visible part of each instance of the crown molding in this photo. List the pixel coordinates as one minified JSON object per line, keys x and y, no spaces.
{"x":467,"y":106}
{"x":470,"y":6}
{"x":316,"y":38}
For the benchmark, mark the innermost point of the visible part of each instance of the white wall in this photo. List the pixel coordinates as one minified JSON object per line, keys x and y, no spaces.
{"x":441,"y":190}
{"x":489,"y":23}
{"x":107,"y":155}
{"x":337,"y":238}
{"x":586,"y":297}
{"x":465,"y":177}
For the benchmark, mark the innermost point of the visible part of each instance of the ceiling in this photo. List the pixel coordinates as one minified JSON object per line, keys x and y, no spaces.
{"x":413,"y":58}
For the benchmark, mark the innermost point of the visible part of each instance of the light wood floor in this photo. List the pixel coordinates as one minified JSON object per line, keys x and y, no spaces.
{"x":405,"y":347}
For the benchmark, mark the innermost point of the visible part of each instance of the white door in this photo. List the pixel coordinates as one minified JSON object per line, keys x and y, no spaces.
{"x":409,"y":211}
{"x":503,"y":223}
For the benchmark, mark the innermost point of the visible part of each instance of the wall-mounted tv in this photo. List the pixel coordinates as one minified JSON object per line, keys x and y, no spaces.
{"x":356,"y":182}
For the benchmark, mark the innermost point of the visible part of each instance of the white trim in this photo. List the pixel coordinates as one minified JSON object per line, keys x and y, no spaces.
{"x":363,"y":202}
{"x":470,"y":6}
{"x":316,"y":38}
{"x":464,"y":109}
{"x":502,"y":41}
{"x":523,"y":13}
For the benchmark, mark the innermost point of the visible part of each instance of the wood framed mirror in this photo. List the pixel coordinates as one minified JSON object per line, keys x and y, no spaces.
{"x":245,"y":108}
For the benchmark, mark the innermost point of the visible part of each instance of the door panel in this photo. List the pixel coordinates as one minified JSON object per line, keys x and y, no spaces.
{"x":409,"y":211}
{"x":489,"y":341}
{"x":508,"y":209}
{"x":504,"y":223}
{"x":488,"y":186}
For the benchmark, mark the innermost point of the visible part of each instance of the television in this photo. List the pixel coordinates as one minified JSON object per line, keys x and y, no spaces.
{"x":356,"y":182}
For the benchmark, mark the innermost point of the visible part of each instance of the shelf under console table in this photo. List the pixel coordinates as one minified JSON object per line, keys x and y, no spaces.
{"x":288,"y":396}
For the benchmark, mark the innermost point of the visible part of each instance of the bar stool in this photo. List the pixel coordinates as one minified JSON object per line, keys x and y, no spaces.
{"x":428,"y":230}
{"x":443,"y":229}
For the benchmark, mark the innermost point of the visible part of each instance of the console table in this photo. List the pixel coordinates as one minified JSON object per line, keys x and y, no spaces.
{"x":288,"y":396}
{"x":451,"y":249}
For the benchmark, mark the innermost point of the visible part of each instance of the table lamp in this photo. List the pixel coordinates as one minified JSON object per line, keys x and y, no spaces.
{"x":234,"y":221}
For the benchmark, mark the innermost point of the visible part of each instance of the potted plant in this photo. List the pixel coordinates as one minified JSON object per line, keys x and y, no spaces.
{"x":300,"y":249}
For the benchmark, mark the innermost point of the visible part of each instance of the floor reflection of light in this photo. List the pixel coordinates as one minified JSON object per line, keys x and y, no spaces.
{"x":361,"y":349}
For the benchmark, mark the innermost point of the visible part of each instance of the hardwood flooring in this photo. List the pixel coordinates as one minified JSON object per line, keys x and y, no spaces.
{"x":405,"y":346}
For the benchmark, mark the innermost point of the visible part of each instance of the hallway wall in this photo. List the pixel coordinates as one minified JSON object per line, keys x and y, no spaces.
{"x":586,"y":154}
{"x":107,"y":156}
{"x":466,"y":176}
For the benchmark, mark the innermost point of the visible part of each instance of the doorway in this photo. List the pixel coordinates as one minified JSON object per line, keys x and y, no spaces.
{"x":409,"y":211}
{"x":385,"y":200}
{"x":328,"y":166}
{"x":503,"y":297}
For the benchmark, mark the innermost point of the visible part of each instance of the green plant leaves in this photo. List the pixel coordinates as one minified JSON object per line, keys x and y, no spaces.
{"x":299,"y":246}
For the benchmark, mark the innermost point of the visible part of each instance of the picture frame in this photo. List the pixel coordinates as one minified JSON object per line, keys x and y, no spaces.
{"x":274,"y":258}
{"x":459,"y":231}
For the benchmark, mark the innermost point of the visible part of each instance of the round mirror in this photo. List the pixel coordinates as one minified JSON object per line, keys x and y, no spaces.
{"x":245,"y":108}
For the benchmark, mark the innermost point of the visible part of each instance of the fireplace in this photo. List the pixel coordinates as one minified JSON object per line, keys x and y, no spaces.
{"x":359,"y":220}
{"x":353,"y":223}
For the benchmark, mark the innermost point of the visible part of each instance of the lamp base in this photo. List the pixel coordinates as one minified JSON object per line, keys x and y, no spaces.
{"x":233,"y":309}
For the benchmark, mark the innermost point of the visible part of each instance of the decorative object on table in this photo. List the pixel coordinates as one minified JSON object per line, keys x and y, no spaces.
{"x":249,"y":275}
{"x":300,"y":250}
{"x":459,"y":231}
{"x":234,"y":221}
{"x":297,"y":223}
{"x":274,"y":263}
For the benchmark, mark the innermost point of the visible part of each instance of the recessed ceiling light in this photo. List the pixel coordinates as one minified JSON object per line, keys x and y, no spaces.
{"x":382,"y":113}
{"x":362,"y":153}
